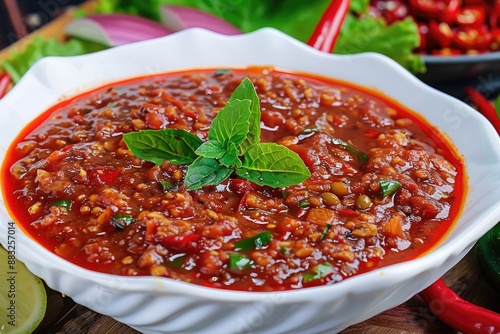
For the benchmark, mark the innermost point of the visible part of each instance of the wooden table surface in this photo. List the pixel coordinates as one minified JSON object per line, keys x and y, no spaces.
{"x":65,"y":316}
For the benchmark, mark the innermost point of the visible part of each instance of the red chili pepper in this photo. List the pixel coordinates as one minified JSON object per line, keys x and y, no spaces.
{"x":441,"y":33}
{"x":472,"y":38}
{"x":301,"y":212}
{"x":179,"y":243}
{"x":348,"y":213}
{"x":102,"y":175}
{"x":151,"y":229}
{"x":327,"y":31}
{"x":425,"y":42}
{"x":471,"y":16}
{"x":483,"y":106}
{"x":392,"y":11}
{"x":446,"y":52}
{"x":495,"y":39}
{"x":371,"y":133}
{"x":458,"y":313}
{"x":475,"y":2}
{"x":495,"y":14}
{"x":428,"y":9}
{"x":5,"y":81}
{"x":450,"y":13}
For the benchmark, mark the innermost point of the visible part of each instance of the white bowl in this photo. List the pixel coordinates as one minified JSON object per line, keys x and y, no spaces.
{"x":160,"y":305}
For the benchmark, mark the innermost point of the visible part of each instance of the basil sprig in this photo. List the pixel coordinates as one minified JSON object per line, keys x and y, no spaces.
{"x":233,"y":145}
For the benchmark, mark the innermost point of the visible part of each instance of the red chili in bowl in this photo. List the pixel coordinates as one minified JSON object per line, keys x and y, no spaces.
{"x":385,"y":186}
{"x":454,"y":27}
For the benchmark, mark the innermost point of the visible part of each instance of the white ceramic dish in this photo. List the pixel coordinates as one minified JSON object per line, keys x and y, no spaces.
{"x":159,"y":305}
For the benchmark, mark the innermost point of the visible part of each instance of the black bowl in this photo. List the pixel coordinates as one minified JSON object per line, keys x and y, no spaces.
{"x":451,"y":74}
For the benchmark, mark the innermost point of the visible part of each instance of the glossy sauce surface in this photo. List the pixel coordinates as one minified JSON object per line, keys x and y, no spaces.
{"x":82,"y":194}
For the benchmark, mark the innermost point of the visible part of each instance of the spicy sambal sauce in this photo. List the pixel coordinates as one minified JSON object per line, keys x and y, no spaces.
{"x":384,"y":186}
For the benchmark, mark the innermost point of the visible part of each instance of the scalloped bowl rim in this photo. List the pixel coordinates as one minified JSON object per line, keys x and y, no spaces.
{"x":442,"y":257}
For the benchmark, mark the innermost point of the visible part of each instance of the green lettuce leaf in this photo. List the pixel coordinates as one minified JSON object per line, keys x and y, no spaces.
{"x":298,"y":18}
{"x":20,"y":62}
{"x":370,"y":34}
{"x":294,"y":17}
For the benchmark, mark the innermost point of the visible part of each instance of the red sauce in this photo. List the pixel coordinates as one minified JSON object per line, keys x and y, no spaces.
{"x":118,"y":214}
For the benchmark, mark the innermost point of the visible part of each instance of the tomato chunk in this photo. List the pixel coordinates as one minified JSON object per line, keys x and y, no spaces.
{"x":179,"y":243}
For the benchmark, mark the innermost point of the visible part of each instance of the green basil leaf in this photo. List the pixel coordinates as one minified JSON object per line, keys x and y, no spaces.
{"x":205,"y":171}
{"x":175,"y":146}
{"x":230,"y":158}
{"x":272,"y":165}
{"x":211,"y":149}
{"x":231,"y":123}
{"x":246,"y":91}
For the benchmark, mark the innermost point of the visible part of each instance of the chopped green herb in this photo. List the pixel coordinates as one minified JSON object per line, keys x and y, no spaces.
{"x":176,"y":261}
{"x":239,"y":261}
{"x":166,"y":185}
{"x":304,"y":204}
{"x":63,"y":203}
{"x":222,"y":71}
{"x":283,"y":250}
{"x":254,"y":242}
{"x":352,"y":150}
{"x":319,"y":271}
{"x":388,"y":187}
{"x":120,"y":220}
{"x":325,"y":230}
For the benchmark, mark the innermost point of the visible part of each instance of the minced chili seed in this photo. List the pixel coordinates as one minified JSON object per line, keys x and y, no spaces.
{"x":336,"y":219}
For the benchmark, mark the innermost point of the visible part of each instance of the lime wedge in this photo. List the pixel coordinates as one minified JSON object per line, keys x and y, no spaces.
{"x":23,"y":299}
